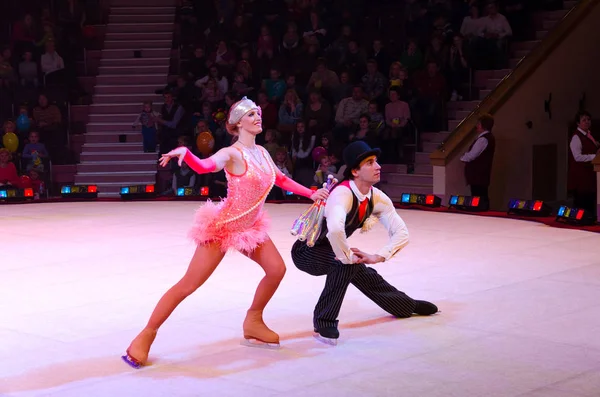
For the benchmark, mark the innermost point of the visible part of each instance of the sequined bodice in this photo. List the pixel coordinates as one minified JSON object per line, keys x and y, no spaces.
{"x":246,"y":193}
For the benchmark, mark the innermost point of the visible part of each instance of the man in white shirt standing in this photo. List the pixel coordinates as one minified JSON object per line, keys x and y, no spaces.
{"x":583,"y":148}
{"x":479,"y":158}
{"x":353,"y":205}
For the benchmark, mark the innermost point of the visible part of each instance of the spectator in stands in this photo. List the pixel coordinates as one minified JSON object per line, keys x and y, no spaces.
{"x":170,"y":116}
{"x":373,"y":82}
{"x":24,"y":110}
{"x":28,"y":71}
{"x":7,"y":127}
{"x":231,"y":98}
{"x":8,"y":77}
{"x":431,"y":93}
{"x":275,"y":86}
{"x":269,"y":111}
{"x":271,"y":142}
{"x":418,"y":20}
{"x":412,"y":58}
{"x":185,"y":92}
{"x":214,"y":73}
{"x":496,"y":31}
{"x":291,"y":110}
{"x":472,"y":27}
{"x":323,"y":171}
{"x":212,"y":93}
{"x":24,"y":34}
{"x":303,"y":143}
{"x":326,"y":142}
{"x":306,"y":62}
{"x":46,"y":115}
{"x":583,"y":148}
{"x":316,"y":29}
{"x":197,"y":66}
{"x":201,"y":126}
{"x":348,"y":113}
{"x":397,"y":116}
{"x":457,"y":69}
{"x":290,"y":43}
{"x":72,"y":17}
{"x":34,"y":182}
{"x":244,"y":67}
{"x":363,"y":131}
{"x":356,"y":60}
{"x":376,"y":118}
{"x":443,"y":28}
{"x":48,"y":120}
{"x":397,"y":112}
{"x":317,"y":114}
{"x":240,"y":87}
{"x":380,"y":55}
{"x":8,"y":171}
{"x":342,"y":90}
{"x":282,"y":161}
{"x":339,"y":47}
{"x":48,"y":35}
{"x":437,"y":52}
{"x":34,"y":153}
{"x":51,"y":61}
{"x":323,"y":78}
{"x":239,"y":33}
{"x":207,"y":116}
{"x":291,"y":84}
{"x":404,"y":85}
{"x":148,"y":119}
{"x":223,"y":57}
{"x":479,"y":159}
{"x":265,"y":47}
{"x":183,"y":177}
{"x":396,"y":75}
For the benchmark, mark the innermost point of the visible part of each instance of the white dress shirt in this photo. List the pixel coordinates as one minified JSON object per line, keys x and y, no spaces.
{"x":477,"y":149}
{"x":575,"y":146}
{"x":472,"y":27}
{"x":498,"y":25}
{"x":338,"y":206}
{"x":51,"y":62}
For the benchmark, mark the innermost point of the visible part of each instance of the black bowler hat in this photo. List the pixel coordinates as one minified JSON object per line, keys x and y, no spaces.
{"x":356,"y":152}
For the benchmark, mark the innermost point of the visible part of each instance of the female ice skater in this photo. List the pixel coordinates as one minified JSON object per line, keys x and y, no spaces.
{"x":238,"y":222}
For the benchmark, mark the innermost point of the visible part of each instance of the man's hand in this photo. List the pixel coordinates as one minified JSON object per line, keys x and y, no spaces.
{"x":363,"y":257}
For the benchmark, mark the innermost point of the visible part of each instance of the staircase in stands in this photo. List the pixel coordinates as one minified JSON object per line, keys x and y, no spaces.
{"x":395,"y":178}
{"x":134,"y":64}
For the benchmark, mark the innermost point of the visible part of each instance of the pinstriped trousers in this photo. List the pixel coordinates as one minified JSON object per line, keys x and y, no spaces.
{"x":320,"y":260}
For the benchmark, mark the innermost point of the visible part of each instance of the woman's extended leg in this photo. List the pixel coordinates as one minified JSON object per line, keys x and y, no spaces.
{"x":267,"y":256}
{"x":203,"y":264}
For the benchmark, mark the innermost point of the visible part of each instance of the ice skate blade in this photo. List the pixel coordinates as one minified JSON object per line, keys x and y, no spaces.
{"x":327,"y":341}
{"x":260,"y":344}
{"x":131,"y":361}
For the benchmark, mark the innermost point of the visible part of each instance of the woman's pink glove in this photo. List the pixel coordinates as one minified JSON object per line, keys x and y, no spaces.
{"x":292,"y":186}
{"x":200,"y":166}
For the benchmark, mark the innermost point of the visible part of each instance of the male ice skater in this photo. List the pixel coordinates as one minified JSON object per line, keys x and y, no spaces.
{"x":349,"y":205}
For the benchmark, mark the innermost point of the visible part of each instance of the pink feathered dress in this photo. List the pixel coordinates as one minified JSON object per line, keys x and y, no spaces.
{"x":239,"y":221}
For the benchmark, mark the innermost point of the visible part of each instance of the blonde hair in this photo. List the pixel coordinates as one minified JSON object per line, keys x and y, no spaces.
{"x":232,"y":129}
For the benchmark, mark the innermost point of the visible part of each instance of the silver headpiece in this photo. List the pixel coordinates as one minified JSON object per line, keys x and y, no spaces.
{"x":241,"y":108}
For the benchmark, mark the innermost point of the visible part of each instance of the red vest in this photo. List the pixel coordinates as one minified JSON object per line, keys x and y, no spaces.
{"x":479,"y":171}
{"x":582,"y":177}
